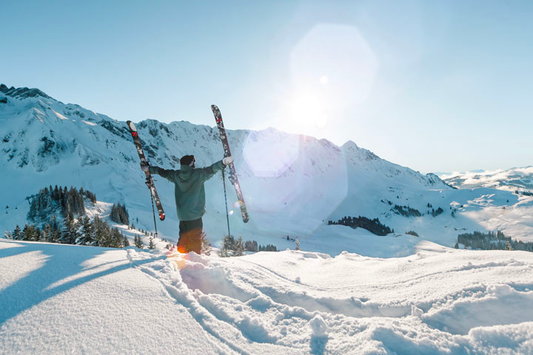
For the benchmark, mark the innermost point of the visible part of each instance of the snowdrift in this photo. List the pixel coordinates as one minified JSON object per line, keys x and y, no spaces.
{"x":72,"y":299}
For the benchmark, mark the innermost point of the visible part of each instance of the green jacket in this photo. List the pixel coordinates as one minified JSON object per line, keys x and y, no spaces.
{"x":189,"y":188}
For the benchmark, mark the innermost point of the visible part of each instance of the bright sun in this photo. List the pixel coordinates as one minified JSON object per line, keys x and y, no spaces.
{"x":307,"y":111}
{"x":332,"y":70}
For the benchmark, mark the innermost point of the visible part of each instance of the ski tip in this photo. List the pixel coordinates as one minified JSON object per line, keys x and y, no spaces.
{"x":245,"y":219}
{"x":214,"y":107}
{"x":162,"y":216}
{"x":131,"y":126}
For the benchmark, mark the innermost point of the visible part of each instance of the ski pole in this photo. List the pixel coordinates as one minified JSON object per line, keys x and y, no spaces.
{"x":226,"y":199}
{"x":153,"y":214}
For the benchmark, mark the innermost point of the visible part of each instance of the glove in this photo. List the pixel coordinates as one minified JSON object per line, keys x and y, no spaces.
{"x":145,"y":167}
{"x":227,"y":160}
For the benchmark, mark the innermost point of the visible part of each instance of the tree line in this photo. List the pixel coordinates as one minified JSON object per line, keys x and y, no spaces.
{"x":371,"y":225}
{"x":491,"y":241}
{"x":406,"y":211}
{"x":83,"y":231}
{"x":49,"y":200}
{"x":236,"y":247}
{"x":119,"y":214}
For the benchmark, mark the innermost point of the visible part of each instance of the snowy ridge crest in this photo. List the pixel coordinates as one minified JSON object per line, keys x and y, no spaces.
{"x":22,"y":93}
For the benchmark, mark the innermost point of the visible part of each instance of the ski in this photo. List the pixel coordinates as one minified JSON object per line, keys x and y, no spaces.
{"x":149,"y":180}
{"x":232,"y":173}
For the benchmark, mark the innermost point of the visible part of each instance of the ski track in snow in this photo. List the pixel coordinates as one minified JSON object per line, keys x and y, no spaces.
{"x":254,"y":308}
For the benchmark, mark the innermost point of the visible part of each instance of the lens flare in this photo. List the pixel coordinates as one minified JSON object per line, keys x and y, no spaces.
{"x":333,"y":69}
{"x":269,"y":153}
{"x":177,"y":257}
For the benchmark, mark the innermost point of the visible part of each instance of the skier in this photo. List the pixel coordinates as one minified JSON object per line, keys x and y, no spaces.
{"x":189,"y":193}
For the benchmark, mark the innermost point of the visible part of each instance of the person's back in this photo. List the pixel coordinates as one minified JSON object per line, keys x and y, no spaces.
{"x":189,"y":194}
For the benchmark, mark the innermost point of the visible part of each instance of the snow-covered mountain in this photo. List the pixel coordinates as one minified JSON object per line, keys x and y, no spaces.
{"x":514,"y":179}
{"x":293,"y":184}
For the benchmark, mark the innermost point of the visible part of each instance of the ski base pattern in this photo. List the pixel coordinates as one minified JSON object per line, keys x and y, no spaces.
{"x":149,"y":180}
{"x":232,"y":173}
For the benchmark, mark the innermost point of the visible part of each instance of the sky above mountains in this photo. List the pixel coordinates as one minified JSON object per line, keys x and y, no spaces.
{"x":436,"y":86}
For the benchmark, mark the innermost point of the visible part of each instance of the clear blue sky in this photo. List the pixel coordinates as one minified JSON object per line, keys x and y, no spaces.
{"x":433,"y":85}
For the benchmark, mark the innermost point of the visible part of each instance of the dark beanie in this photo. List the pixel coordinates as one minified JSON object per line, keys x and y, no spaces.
{"x":187,"y":160}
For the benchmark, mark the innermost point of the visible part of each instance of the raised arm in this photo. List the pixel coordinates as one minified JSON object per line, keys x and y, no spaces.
{"x":170,"y":175}
{"x":208,"y":172}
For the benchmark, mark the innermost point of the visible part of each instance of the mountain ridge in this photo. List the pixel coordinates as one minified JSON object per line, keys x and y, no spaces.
{"x":293,"y":184}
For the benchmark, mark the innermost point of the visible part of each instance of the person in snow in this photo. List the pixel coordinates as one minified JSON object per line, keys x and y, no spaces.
{"x":189,"y":193}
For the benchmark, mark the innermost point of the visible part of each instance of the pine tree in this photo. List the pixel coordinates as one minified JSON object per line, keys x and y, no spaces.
{"x":100,"y":232}
{"x":87,"y":236}
{"x":116,"y":238}
{"x":238,"y":248}
{"x":70,"y":234}
{"x":151,"y":245}
{"x":138,"y":242}
{"x":227,"y":247}
{"x":17,"y":234}
{"x":37,"y":234}
{"x":119,"y":214}
{"x":125,"y":242}
{"x":251,"y":245}
{"x":206,"y":246}
{"x":47,"y":232}
{"x":55,"y":236}
{"x":27,"y":232}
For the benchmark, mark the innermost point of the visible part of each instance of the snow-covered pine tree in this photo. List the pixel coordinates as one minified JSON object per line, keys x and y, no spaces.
{"x":28,"y":233}
{"x":37,"y":235}
{"x":100,"y":232}
{"x":138,"y":242}
{"x":70,"y":233}
{"x":206,"y":246}
{"x":17,"y":233}
{"x":119,"y":214}
{"x":238,"y":248}
{"x":55,"y":236}
{"x":87,"y":236}
{"x":116,"y":238}
{"x":47,"y":232}
{"x":251,"y":245}
{"x":227,"y":246}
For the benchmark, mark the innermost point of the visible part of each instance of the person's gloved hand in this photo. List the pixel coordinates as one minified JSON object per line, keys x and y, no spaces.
{"x":227,"y":160}
{"x":145,"y":167}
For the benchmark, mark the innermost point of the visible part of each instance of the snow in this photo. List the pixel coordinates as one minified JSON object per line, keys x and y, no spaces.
{"x":60,"y":298}
{"x":510,"y":179}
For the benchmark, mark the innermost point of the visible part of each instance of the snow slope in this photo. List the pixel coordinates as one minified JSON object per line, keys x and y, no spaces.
{"x":520,"y":179}
{"x":60,"y":299}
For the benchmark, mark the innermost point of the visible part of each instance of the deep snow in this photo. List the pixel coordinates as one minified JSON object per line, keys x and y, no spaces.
{"x":85,"y":300}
